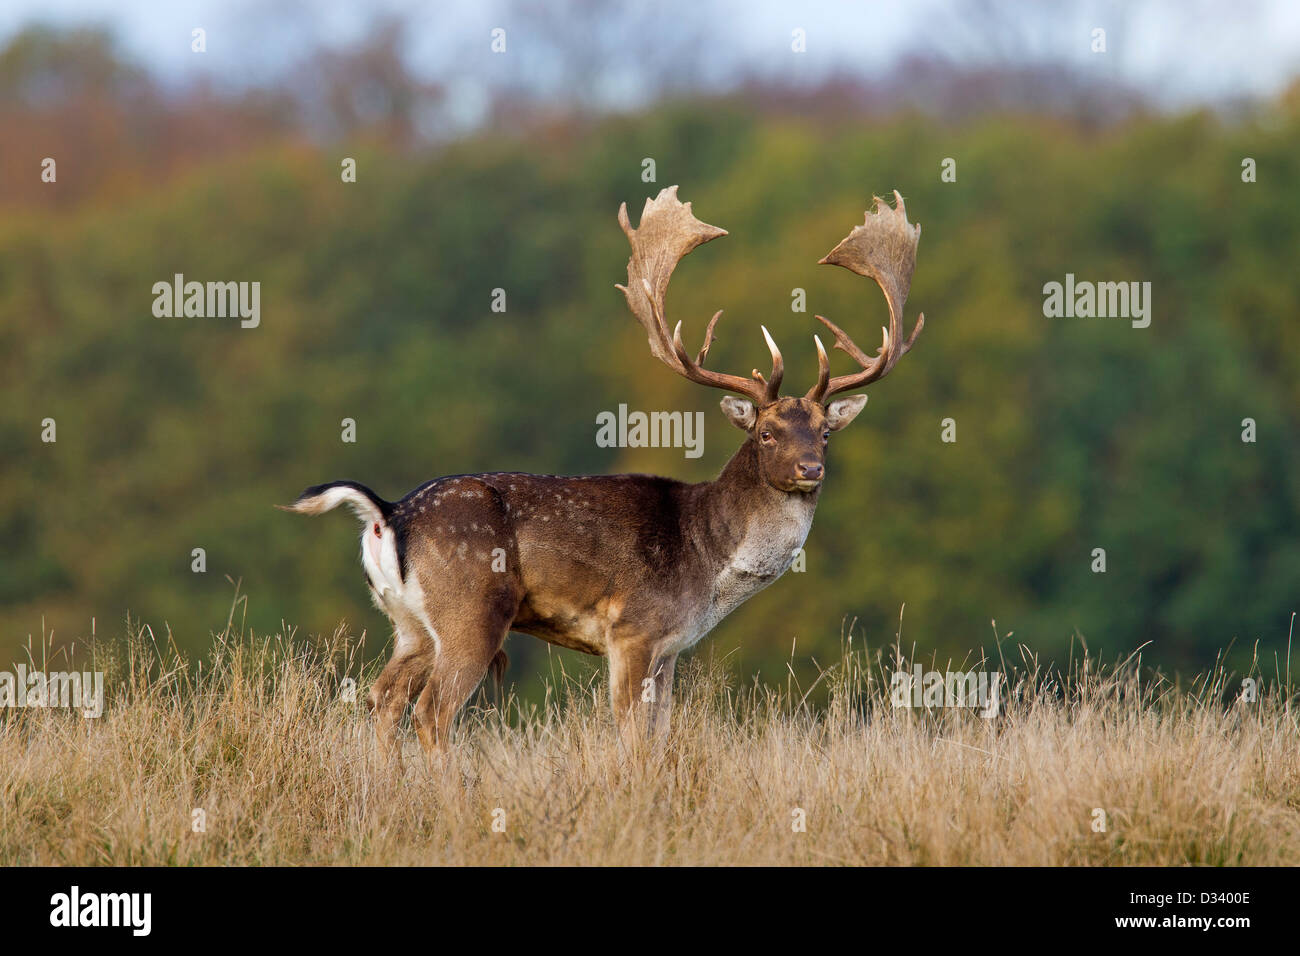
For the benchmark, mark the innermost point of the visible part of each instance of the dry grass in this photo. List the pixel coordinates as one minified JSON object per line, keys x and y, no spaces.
{"x":285,"y":769}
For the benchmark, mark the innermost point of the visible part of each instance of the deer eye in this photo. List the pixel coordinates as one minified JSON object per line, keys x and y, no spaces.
{"x":766,"y":437}
{"x":826,"y":435}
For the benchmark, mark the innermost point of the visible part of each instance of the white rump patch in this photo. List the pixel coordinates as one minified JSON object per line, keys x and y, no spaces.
{"x":402,"y":601}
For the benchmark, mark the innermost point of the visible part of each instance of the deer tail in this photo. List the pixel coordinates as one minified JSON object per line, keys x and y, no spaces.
{"x":321,"y":498}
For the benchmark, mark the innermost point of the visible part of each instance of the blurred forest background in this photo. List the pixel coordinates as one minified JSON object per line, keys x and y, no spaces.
{"x":1072,"y":434}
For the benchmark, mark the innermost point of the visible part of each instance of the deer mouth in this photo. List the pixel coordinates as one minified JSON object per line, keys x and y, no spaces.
{"x":808,"y":484}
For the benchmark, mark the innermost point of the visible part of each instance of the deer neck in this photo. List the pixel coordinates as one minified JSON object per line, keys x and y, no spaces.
{"x":752,"y":530}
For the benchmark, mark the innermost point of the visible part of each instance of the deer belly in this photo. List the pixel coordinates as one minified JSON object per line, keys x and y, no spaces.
{"x":577,"y":626}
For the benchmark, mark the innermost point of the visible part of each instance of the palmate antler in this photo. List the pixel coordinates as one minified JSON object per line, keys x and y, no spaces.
{"x":667,"y":233}
{"x":883,"y":249}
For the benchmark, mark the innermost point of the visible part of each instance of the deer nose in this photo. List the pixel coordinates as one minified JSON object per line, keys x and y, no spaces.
{"x":810,"y":469}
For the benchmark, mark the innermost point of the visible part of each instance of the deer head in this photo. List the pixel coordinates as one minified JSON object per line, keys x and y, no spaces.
{"x":790,"y":434}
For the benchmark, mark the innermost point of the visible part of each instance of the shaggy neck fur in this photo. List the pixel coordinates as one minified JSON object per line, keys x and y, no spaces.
{"x":752,"y":528}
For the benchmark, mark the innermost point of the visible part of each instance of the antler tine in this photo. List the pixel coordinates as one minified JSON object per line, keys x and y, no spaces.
{"x":760,"y":390}
{"x":772,"y":388}
{"x":668,"y":231}
{"x":708,"y":339}
{"x":823,"y":371}
{"x":883,"y":248}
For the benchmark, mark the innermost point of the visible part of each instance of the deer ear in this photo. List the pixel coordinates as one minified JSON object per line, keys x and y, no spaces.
{"x":740,"y":411}
{"x":842,"y":411}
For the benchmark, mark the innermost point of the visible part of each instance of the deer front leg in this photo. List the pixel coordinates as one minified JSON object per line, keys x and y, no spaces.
{"x":640,"y":689}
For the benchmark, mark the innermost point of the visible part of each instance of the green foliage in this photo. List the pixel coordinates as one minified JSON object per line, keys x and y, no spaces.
{"x":1072,"y":433}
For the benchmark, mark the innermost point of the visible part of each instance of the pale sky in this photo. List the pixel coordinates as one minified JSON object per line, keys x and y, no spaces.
{"x":1176,"y":51}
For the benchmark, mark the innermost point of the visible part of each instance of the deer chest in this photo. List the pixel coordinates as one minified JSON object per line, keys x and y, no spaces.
{"x":764,"y":553}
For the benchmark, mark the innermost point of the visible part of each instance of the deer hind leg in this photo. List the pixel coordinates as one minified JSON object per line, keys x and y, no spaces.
{"x":498,"y":667}
{"x":454,"y":678}
{"x":467,"y":652}
{"x":400,"y":682}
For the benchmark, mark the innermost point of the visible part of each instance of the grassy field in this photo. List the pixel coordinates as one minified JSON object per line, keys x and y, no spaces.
{"x":263,"y":738}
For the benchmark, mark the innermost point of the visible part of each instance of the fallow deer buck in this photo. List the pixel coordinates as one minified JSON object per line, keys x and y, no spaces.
{"x":637,"y":567}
